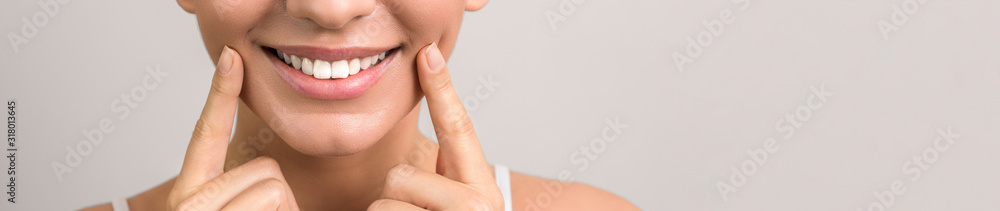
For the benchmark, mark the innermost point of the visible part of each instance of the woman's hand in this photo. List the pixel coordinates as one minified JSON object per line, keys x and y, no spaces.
{"x":202,"y":185}
{"x":463,"y":181}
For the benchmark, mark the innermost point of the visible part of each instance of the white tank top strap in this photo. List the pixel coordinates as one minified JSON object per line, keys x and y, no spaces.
{"x":119,"y":204}
{"x":502,"y":175}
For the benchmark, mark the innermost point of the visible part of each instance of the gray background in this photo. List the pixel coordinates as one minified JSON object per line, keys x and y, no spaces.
{"x":608,"y":59}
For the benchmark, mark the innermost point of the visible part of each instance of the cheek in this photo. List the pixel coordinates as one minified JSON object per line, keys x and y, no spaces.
{"x":226,"y":7}
{"x":227,"y":22}
{"x":430,"y":20}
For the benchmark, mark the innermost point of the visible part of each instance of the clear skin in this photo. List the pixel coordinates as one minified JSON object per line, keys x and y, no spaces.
{"x":292,"y":152}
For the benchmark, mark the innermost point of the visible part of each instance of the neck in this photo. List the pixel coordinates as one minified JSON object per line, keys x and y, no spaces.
{"x":348,"y":182}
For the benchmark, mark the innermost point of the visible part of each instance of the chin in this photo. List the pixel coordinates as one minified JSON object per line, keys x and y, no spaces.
{"x":332,"y":134}
{"x":335,"y":136}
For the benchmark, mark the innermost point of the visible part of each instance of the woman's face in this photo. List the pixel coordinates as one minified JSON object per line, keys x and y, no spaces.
{"x":334,"y":115}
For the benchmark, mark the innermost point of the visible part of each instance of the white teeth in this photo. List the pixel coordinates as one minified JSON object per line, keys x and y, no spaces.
{"x":321,"y":69}
{"x":307,"y":66}
{"x":366,"y":62}
{"x":296,"y":62}
{"x":340,"y":69}
{"x":355,"y":65}
{"x":326,"y":70}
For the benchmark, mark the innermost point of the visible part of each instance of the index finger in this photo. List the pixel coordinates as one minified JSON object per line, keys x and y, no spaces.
{"x":461,"y":157}
{"x":207,"y":150}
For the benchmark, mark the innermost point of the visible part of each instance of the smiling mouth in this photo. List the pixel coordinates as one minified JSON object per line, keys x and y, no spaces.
{"x":323,"y":69}
{"x":331,"y":73}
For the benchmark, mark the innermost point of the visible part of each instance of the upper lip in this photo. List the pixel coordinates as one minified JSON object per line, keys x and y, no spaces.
{"x":331,"y":54}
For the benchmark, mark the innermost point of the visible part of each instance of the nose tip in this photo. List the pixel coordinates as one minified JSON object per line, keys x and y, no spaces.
{"x":330,"y":14}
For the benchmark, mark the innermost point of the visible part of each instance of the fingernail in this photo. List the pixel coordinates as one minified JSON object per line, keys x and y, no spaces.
{"x":434,"y":59}
{"x":226,"y":60}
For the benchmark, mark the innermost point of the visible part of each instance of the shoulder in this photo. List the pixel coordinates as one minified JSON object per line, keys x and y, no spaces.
{"x":152,"y":199}
{"x":535,"y":193}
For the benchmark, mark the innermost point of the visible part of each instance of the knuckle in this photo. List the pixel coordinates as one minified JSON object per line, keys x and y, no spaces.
{"x":459,"y":128}
{"x":442,"y":84}
{"x":398,"y":174}
{"x":493,"y":195}
{"x":219,"y":86}
{"x":185,"y":207}
{"x":462,"y":126}
{"x":266,"y":162}
{"x":267,"y":165}
{"x":202,"y":129}
{"x":211,"y":189}
{"x":477,"y":202}
{"x":274,"y":188}
{"x":378,"y":205}
{"x":218,"y":182}
{"x":196,"y":202}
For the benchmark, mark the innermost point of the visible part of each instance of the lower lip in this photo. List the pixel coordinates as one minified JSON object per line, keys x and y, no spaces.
{"x":331,"y":89}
